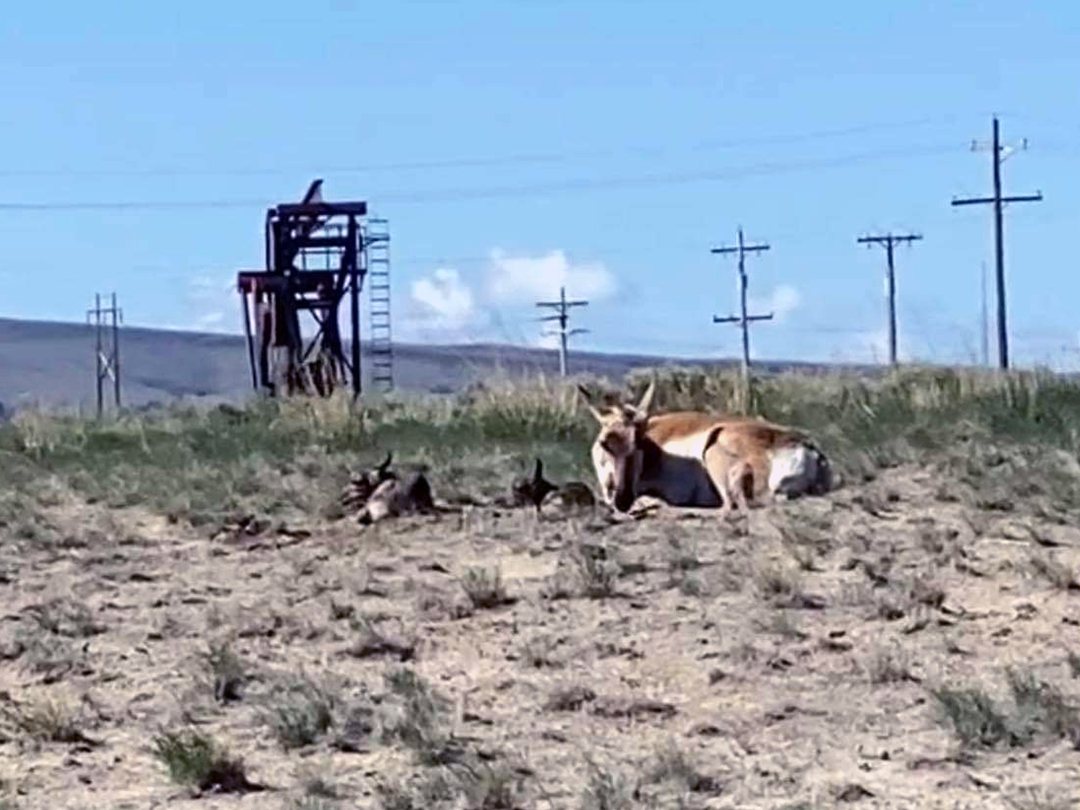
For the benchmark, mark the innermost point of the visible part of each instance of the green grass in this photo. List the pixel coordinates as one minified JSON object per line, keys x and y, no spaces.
{"x":201,"y":466}
{"x":485,"y":588}
{"x":1038,"y":710}
{"x":302,"y":713}
{"x":194,"y":760}
{"x":417,"y":717}
{"x":280,"y":456}
{"x":44,"y":720}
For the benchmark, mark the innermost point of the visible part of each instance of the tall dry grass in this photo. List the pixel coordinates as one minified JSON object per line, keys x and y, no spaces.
{"x":294,"y":453}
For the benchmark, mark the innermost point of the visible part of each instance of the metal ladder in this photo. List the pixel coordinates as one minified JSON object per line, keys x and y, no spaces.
{"x":377,"y":245}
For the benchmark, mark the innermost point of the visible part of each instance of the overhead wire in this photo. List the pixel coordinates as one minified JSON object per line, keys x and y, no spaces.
{"x":518,"y":190}
{"x":480,"y":161}
{"x":510,"y":191}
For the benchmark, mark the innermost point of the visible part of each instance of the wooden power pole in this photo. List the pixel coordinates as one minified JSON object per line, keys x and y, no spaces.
{"x":743,"y":319}
{"x":998,"y":156}
{"x":107,"y":361}
{"x":889,"y":240}
{"x":562,"y":308}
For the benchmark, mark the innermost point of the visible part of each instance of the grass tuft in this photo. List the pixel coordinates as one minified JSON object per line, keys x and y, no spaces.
{"x":1038,"y":710}
{"x":889,"y":666}
{"x":304,"y":713}
{"x":195,"y":760}
{"x":485,"y":589}
{"x":47,"y":719}
{"x":607,"y":790}
{"x":976,"y":718}
{"x":1057,"y":573}
{"x":417,"y":717}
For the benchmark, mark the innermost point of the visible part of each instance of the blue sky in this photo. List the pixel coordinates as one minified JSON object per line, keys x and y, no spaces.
{"x":514,"y":146}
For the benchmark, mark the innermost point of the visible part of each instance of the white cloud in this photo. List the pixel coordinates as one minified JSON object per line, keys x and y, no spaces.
{"x":873,"y":346}
{"x":445,"y":307}
{"x":782,"y":301}
{"x":444,"y":298}
{"x":212,"y":303}
{"x":442,"y":307}
{"x":546,"y":341}
{"x":522,"y":279}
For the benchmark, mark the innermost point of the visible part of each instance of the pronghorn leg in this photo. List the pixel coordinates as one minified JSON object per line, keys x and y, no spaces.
{"x":741,"y":479}
{"x":726,"y":472}
{"x":725,"y":507}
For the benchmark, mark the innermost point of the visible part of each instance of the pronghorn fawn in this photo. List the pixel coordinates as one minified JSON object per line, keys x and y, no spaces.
{"x":535,"y":489}
{"x":361,"y":486}
{"x":381,"y":493}
{"x":532,"y":489}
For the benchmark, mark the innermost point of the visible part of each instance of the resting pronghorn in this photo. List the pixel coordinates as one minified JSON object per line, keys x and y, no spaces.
{"x":692,"y":458}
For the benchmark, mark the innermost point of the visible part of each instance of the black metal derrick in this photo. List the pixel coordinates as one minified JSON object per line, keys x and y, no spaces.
{"x":315,"y":259}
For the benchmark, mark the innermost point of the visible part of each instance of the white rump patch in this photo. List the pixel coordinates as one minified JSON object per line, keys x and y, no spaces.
{"x":793,"y":470}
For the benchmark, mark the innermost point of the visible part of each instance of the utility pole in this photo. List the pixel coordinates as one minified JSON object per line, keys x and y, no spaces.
{"x":107,"y":362}
{"x":999,"y":155}
{"x":562,"y":307}
{"x":743,"y":319}
{"x":889,"y":240}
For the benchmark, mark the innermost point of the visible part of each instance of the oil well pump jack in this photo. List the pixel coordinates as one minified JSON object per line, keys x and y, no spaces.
{"x":317,"y":254}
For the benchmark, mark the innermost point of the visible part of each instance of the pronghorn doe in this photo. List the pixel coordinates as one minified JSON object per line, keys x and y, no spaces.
{"x":692,"y":458}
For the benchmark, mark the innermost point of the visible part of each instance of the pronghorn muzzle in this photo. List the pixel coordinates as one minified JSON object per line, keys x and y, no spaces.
{"x":626,"y":494}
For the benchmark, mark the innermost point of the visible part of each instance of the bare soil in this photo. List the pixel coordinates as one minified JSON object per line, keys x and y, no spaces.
{"x":666,"y":661}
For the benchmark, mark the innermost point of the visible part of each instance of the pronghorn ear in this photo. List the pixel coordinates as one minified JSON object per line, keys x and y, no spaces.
{"x":585,"y":395}
{"x":646,"y":398}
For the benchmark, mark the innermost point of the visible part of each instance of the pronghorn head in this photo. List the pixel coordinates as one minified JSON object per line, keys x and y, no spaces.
{"x":616,"y":453}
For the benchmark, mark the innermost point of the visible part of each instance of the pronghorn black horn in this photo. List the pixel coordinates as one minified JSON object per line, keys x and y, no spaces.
{"x":383,"y":467}
{"x":539,"y":472}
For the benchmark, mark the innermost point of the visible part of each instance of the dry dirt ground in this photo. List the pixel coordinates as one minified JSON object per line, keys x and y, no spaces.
{"x":666,"y":661}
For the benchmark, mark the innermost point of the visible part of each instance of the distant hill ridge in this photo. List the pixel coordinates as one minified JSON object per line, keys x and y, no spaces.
{"x":52,"y":363}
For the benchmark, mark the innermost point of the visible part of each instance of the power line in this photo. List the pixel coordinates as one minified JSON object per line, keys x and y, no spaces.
{"x":562,"y":308}
{"x":478,"y":161}
{"x":594,"y":250}
{"x":508,"y":191}
{"x":889,"y":240}
{"x":998,"y":155}
{"x":743,"y":319}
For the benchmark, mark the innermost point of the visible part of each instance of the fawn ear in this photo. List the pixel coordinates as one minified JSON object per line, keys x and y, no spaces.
{"x":585,"y":395}
{"x":646,"y":399}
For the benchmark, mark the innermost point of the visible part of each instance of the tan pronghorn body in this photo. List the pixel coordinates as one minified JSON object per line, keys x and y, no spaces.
{"x":692,"y":458}
{"x":751,"y":459}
